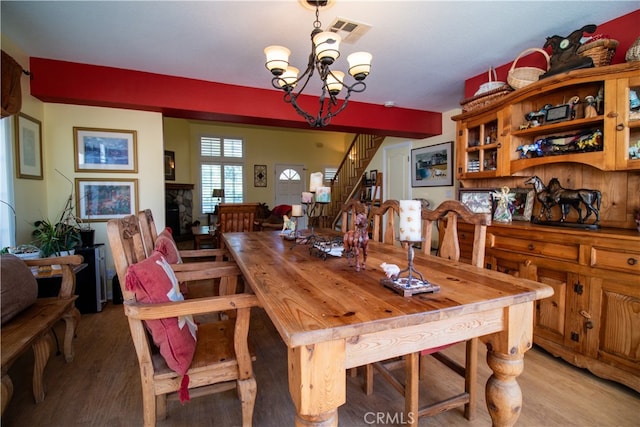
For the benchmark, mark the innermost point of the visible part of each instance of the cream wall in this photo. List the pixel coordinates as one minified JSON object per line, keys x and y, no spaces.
{"x":30,"y":194}
{"x":264,"y":146}
{"x":436,"y":195}
{"x":58,"y":134}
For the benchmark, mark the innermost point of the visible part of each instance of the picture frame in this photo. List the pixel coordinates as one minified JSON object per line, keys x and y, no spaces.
{"x":478,"y":200}
{"x":28,"y":132}
{"x":432,"y":166}
{"x":259,"y":175}
{"x":105,"y":150}
{"x":522,"y":204}
{"x":102,"y":199}
{"x":373,"y":176}
{"x":169,"y":165}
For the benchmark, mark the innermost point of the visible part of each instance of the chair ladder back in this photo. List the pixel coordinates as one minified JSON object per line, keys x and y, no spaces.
{"x":148,"y":230}
{"x":236,"y":217}
{"x":127,"y":248}
{"x":385,"y":213}
{"x":451,"y":212}
{"x":350,"y":209}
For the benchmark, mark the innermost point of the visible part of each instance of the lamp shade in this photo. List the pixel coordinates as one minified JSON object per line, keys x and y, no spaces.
{"x":327,"y":46}
{"x":359,"y":64}
{"x":218,"y":192}
{"x":277,"y":59}
{"x":334,"y":82}
{"x":288,"y":78}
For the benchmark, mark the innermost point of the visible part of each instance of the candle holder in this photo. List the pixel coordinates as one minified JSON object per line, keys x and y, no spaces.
{"x":309,"y":211}
{"x":413,"y":282}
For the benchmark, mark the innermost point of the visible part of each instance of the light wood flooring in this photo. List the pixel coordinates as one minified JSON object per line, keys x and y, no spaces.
{"x":101,"y":387}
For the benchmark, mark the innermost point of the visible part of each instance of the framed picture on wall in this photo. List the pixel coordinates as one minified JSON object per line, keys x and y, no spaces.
{"x":28,"y":147}
{"x":259,"y":175}
{"x":169,"y":165}
{"x":105,"y":150}
{"x":432,"y":166}
{"x":102,"y":199}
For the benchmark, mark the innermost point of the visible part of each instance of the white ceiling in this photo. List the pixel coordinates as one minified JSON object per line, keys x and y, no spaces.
{"x":422,"y":50}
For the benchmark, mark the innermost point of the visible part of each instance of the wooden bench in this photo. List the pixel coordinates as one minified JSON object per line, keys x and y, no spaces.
{"x":32,"y":328}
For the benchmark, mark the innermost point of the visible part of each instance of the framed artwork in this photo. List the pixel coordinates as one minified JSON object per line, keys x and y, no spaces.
{"x":169,"y":165}
{"x":105,"y":150}
{"x":102,"y":199}
{"x":478,"y":200}
{"x":522,"y":203}
{"x":432,"y":166}
{"x":374,"y":175}
{"x":259,"y":175}
{"x":28,"y":147}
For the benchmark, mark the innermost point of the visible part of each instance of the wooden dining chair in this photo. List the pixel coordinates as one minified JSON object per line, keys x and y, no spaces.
{"x":235,"y":217}
{"x":149,"y":232}
{"x":384,"y":219}
{"x":451,"y":212}
{"x":220,"y":357}
{"x":349,"y":210}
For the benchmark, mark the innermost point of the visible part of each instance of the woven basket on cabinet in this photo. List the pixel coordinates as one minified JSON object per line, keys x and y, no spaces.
{"x":524,"y":76}
{"x":601,"y":51}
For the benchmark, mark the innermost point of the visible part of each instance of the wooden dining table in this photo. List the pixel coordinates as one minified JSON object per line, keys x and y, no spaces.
{"x":333,"y":318}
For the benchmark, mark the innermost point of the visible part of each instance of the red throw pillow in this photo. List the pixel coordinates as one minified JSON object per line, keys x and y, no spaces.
{"x":167,"y":247}
{"x":153,"y":281}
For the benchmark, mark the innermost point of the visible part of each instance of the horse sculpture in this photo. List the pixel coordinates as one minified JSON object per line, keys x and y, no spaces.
{"x":357,"y":239}
{"x":568,"y":199}
{"x":543,"y":196}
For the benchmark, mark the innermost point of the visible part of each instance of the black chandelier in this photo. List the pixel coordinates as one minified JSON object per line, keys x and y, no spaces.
{"x":324,"y":51}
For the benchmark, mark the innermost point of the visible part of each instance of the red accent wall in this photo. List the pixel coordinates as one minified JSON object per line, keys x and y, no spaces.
{"x":83,"y":84}
{"x":623,"y":29}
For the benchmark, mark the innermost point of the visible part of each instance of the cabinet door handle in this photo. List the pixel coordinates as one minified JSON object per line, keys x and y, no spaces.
{"x":612,"y":115}
{"x":588,"y":323}
{"x":499,"y":144}
{"x":531,"y":246}
{"x":620,"y":127}
{"x":632,"y":261}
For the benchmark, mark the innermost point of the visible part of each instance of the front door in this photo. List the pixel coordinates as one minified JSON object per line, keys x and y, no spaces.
{"x":290,"y":183}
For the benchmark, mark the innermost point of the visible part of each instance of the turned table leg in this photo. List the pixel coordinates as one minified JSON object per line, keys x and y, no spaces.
{"x":41,"y":352}
{"x":504,"y":397}
{"x":317,"y":383}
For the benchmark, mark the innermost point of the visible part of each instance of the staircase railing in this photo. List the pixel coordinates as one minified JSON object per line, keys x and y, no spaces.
{"x":347,"y":180}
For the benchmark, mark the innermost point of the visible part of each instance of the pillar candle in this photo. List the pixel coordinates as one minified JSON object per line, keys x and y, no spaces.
{"x":323,"y":194}
{"x":410,"y":221}
{"x":316,"y":181}
{"x":296,"y":210}
{"x":307,"y":197}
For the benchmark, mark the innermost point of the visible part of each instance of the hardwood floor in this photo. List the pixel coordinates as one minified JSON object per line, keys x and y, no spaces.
{"x":101,"y":387}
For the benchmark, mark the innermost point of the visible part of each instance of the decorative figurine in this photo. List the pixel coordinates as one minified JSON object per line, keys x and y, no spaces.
{"x":357,"y":239}
{"x":503,"y":212}
{"x":590,"y":109}
{"x":554,"y":194}
{"x":288,"y":226}
{"x":564,"y":56}
{"x":391,"y":270}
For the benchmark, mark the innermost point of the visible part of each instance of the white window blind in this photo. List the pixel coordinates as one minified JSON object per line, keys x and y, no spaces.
{"x":329,"y":173}
{"x":221,"y":167}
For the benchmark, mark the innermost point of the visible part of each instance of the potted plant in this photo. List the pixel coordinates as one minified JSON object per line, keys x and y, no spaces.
{"x":59,"y":237}
{"x":56,"y":239}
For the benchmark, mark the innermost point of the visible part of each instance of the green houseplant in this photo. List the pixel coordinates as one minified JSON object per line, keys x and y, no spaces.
{"x":53,"y":239}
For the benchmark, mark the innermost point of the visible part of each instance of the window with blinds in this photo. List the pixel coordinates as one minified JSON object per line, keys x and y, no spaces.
{"x":221,"y":167}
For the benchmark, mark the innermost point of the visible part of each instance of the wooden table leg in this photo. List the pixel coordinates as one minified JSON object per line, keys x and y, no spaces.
{"x":317,"y":383}
{"x":505,"y":357}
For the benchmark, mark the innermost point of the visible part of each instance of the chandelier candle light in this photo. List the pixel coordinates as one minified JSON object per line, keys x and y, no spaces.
{"x":410,"y":232}
{"x":324,"y":51}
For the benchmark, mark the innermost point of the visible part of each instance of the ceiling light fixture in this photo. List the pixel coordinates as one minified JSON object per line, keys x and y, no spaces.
{"x":324,"y":51}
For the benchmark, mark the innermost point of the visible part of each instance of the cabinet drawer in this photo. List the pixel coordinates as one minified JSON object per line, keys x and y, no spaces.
{"x":615,"y":259}
{"x":566,"y":252}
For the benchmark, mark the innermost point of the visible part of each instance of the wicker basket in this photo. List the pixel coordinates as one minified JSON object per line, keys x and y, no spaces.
{"x":601,"y":51}
{"x":491,"y":85}
{"x":484,"y":99}
{"x":633,"y":54}
{"x":524,"y":76}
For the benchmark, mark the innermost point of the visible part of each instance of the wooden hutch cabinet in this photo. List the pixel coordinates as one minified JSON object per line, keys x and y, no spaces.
{"x":593,"y":318}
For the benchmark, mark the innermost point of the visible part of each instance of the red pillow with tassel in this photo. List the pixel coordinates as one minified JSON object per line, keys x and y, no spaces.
{"x":153,"y":281}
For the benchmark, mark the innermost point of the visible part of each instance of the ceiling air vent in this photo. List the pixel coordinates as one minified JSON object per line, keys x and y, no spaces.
{"x":349,"y":30}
